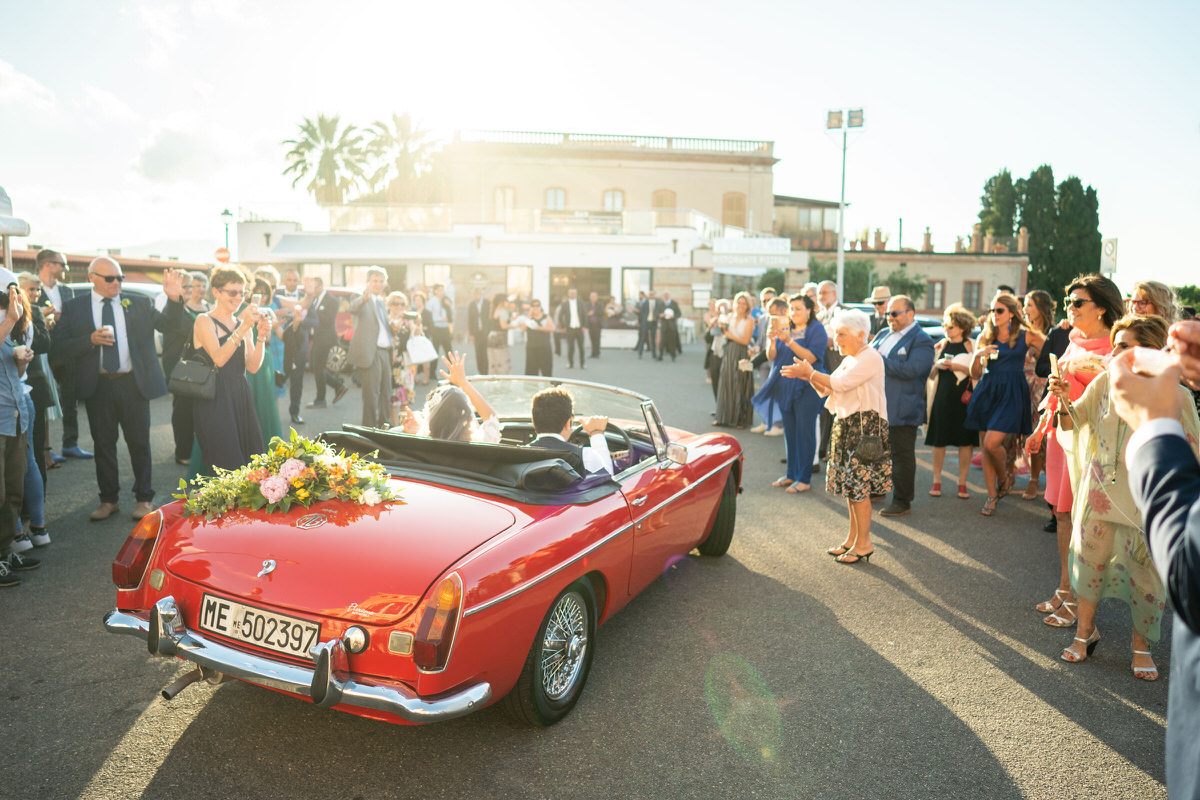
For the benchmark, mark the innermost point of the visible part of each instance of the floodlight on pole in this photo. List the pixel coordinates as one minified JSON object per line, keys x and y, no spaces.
{"x":227,"y":217}
{"x":834,"y":121}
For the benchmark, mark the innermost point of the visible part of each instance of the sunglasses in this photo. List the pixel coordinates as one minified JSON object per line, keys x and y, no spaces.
{"x":1075,"y":302}
{"x":894,"y":314}
{"x":233,"y":294}
{"x":880,"y":303}
{"x":999,"y":310}
{"x":62,"y":264}
{"x":110,"y":278}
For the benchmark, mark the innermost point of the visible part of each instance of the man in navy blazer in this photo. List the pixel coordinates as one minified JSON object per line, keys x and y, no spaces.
{"x":107,"y":339}
{"x":51,"y":269}
{"x":907,"y":354}
{"x":1165,"y":479}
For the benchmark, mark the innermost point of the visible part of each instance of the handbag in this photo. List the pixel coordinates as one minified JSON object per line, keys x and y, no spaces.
{"x":420,"y":350}
{"x":966,"y":395}
{"x":194,"y":377}
{"x":870,"y":448}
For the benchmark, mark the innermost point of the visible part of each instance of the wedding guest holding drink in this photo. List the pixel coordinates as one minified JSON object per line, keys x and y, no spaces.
{"x":947,"y":409}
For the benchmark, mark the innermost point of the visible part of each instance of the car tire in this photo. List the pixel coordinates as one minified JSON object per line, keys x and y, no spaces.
{"x":567,"y":639}
{"x":717,"y":543}
{"x":338,"y":359}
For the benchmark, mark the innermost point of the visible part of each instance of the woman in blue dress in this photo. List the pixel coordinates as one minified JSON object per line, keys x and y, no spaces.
{"x":1000,"y":405}
{"x":804,"y":339}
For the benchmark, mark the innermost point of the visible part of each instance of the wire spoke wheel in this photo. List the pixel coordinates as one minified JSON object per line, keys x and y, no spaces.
{"x":564,"y":645}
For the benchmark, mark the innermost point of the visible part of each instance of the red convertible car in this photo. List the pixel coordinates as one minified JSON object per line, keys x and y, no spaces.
{"x":483,"y":582}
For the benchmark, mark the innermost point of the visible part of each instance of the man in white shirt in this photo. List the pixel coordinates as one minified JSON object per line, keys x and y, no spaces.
{"x":371,"y":350}
{"x":52,"y":268}
{"x":570,"y":319}
{"x":552,"y":411}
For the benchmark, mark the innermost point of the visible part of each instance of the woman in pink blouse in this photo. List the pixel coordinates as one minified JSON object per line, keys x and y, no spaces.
{"x":1094,"y":304}
{"x":859,"y":408}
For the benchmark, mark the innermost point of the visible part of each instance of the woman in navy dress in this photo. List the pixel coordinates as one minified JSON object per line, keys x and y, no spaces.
{"x":804,"y":339}
{"x":227,"y":427}
{"x":1000,"y":406}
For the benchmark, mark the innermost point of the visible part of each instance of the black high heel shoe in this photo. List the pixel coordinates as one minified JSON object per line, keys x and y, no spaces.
{"x":851,"y":557}
{"x":841,"y":549}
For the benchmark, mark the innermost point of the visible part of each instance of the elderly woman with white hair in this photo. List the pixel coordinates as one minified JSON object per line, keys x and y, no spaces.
{"x":860,"y":463}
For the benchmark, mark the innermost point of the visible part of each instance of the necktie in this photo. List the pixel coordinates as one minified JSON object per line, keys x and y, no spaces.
{"x":383,"y":323}
{"x":110,"y":358}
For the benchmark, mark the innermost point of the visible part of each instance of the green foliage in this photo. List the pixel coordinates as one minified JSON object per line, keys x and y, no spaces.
{"x":773,"y":278}
{"x":999,"y":201}
{"x":1038,"y":213}
{"x":1077,"y":235}
{"x":401,"y":153}
{"x":1063,"y":224}
{"x":1188,"y":296}
{"x":329,"y":156}
{"x":859,"y":276}
{"x":900,"y":282}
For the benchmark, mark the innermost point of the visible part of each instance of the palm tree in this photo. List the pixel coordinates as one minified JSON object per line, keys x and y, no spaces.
{"x":330,"y":156}
{"x":404,"y":154}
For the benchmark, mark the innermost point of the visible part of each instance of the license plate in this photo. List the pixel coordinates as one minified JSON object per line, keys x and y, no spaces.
{"x":277,"y":632}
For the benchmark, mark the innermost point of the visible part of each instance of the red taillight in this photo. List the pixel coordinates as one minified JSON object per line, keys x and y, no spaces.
{"x":439,"y":620}
{"x":129,"y":567}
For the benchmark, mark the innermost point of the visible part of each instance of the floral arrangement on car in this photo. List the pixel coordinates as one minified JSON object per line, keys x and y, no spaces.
{"x":296,"y":472}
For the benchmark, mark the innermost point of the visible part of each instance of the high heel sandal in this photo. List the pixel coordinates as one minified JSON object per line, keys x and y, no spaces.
{"x":962,"y":492}
{"x":1070,"y":656}
{"x":837,"y":551}
{"x":851,"y":557}
{"x":989,"y":506}
{"x":936,"y":491}
{"x":1047,"y":606}
{"x":1144,"y":673}
{"x":1004,"y":486}
{"x":1055,"y":620}
{"x":1031,"y":493}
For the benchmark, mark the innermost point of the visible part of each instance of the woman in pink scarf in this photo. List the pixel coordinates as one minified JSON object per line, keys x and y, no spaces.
{"x":1093,"y":304}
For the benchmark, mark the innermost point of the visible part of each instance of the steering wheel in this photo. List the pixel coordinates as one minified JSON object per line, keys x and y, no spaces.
{"x":579,"y":436}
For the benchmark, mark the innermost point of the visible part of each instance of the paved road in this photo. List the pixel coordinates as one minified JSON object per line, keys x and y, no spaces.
{"x":925,"y":674}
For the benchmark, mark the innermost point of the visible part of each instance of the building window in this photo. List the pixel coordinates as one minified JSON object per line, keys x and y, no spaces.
{"x":634,"y":280}
{"x":519,"y":281}
{"x":437,"y":273}
{"x":614,"y":200}
{"x":556,"y":199}
{"x":733,"y":209}
{"x":973,"y":295}
{"x":935,"y":295}
{"x":504,"y":201}
{"x":663,"y":198}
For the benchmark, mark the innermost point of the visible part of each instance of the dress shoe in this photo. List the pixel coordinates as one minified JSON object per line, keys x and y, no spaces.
{"x":340,"y":393}
{"x":316,"y":404}
{"x":183,"y":461}
{"x":894,"y":510}
{"x":56,"y":458}
{"x":297,"y":419}
{"x":75,"y":451}
{"x":104,"y":511}
{"x":142,"y":509}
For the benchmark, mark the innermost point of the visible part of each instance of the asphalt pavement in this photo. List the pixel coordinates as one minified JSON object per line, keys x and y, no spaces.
{"x":772,"y":672}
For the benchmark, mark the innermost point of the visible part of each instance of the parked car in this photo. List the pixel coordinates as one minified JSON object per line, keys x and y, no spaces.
{"x":484,"y":584}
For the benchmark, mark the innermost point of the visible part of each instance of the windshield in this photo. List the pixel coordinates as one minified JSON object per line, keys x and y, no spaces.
{"x":510,"y":395}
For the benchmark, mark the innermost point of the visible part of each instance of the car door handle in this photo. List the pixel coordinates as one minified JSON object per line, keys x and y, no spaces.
{"x":638,"y":501}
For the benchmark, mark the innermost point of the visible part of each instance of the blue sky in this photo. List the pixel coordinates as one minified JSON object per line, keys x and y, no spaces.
{"x":133,"y":121}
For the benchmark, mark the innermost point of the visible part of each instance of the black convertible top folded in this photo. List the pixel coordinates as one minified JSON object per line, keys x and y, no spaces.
{"x":532,"y":475}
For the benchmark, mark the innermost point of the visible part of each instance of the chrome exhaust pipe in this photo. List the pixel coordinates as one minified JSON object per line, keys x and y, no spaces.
{"x":181,"y":684}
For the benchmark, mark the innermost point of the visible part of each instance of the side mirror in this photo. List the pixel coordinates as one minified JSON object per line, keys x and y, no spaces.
{"x":677,"y":453}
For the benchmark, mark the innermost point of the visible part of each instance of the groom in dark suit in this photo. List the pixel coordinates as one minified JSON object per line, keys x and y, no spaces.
{"x":106,"y":338}
{"x":1165,"y":479}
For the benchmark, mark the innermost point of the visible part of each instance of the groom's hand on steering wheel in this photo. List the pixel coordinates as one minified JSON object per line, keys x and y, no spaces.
{"x":594,"y":425}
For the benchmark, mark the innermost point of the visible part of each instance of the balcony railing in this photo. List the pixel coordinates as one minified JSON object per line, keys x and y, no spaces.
{"x":670,"y":143}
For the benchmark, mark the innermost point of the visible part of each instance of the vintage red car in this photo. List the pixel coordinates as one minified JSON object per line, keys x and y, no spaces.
{"x":484,"y":582}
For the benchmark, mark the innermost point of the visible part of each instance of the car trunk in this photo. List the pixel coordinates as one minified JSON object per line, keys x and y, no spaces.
{"x":357,"y":563}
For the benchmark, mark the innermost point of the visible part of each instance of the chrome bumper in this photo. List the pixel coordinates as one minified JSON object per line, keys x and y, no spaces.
{"x":328,"y":684}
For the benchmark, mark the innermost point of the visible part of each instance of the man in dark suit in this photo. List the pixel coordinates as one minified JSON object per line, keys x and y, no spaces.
{"x":295,"y":336}
{"x":907,"y":354}
{"x":879,"y":298}
{"x":643,"y":318}
{"x":52,"y":268}
{"x":595,"y":321}
{"x":371,"y":350}
{"x":1165,"y":480}
{"x":106,"y":338}
{"x":552,"y":411}
{"x":657,"y":307}
{"x":479,"y":312}
{"x":668,"y":325}
{"x":570,"y":318}
{"x":321,"y":320}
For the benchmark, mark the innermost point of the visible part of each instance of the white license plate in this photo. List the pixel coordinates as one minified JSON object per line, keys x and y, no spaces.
{"x":276,"y":632}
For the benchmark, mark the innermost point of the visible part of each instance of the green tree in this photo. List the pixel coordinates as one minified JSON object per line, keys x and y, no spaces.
{"x":1076,"y":233}
{"x":773,"y":278}
{"x":402,"y":155}
{"x":859,"y":276}
{"x":1038,"y":213}
{"x":999,"y":205}
{"x":1188,"y":296}
{"x":329,"y":156}
{"x":900,"y":282}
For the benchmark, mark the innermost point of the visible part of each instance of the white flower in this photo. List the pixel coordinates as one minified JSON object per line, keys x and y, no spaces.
{"x":370,"y":497}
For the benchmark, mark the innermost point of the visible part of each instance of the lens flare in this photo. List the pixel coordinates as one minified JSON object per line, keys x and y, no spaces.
{"x":743,"y":707}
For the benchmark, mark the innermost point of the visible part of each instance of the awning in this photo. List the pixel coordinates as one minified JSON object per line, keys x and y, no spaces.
{"x":371,"y":248}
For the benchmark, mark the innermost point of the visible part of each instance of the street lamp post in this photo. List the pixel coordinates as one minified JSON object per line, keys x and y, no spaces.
{"x":834,"y":121}
{"x":227,"y":217}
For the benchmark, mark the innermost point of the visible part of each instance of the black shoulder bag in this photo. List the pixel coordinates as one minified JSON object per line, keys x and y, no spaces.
{"x":194,"y":375}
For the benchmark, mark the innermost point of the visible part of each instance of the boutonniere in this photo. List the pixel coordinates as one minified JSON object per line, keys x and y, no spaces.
{"x":124,"y":302}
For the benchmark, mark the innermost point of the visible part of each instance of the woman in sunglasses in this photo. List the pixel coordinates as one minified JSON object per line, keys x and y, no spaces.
{"x":1000,"y":407}
{"x":1093,"y":304}
{"x":227,"y":427}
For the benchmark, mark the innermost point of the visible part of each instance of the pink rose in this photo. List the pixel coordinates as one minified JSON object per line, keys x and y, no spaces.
{"x":1098,"y":500}
{"x":292,"y":468}
{"x":274,"y":488}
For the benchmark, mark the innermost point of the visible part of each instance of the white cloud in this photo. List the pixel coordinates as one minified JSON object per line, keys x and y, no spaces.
{"x":17,"y":87}
{"x":103,"y":103}
{"x":160,"y":23}
{"x":174,"y":155}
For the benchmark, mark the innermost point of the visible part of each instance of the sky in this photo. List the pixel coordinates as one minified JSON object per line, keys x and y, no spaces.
{"x":133,"y":123}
